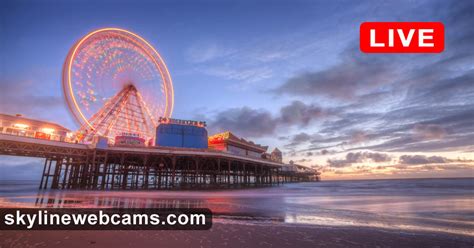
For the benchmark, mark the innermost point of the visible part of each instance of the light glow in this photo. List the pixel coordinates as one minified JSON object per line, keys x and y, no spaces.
{"x":48,"y":130}
{"x":119,"y":39}
{"x":21,"y":125}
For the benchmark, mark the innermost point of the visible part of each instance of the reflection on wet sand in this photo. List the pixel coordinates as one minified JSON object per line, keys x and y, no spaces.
{"x":224,"y":206}
{"x":439,"y":205}
{"x":60,"y":200}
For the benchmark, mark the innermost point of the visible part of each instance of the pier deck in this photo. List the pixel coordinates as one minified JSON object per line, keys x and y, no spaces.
{"x":80,"y":166}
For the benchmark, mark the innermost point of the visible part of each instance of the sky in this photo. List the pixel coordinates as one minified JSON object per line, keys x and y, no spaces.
{"x":286,"y":74}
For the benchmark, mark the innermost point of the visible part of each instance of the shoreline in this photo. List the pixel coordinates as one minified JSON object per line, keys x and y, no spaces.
{"x":238,"y":235}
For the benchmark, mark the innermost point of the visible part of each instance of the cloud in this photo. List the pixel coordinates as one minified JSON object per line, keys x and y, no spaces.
{"x":217,"y":62}
{"x":21,"y":97}
{"x":429,"y":131}
{"x":201,"y":52}
{"x":346,"y":80}
{"x":358,"y":157}
{"x":422,"y":159}
{"x":300,"y":113}
{"x":303,"y":160}
{"x":245,"y":122}
{"x":448,"y":129}
{"x":398,"y":103}
{"x":250,"y":122}
{"x":298,"y":139}
{"x":358,"y":136}
{"x":454,"y":168}
{"x":243,"y":75}
{"x":326,"y":152}
{"x":385,"y":103}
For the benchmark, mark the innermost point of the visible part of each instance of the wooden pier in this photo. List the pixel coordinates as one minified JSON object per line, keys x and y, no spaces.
{"x":79,"y":166}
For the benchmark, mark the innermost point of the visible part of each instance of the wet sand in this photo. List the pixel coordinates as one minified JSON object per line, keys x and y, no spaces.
{"x":236,"y":235}
{"x":378,"y":213}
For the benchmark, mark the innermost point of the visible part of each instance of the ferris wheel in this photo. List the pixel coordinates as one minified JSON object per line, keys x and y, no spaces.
{"x":115,"y":82}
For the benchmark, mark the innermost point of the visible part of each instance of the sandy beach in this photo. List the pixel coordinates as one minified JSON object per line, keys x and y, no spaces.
{"x":236,"y":235}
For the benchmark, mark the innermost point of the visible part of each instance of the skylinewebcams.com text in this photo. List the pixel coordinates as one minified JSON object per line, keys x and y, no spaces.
{"x":101,"y":218}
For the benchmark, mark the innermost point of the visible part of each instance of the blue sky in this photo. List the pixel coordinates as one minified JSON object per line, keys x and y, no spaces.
{"x":282,"y":73}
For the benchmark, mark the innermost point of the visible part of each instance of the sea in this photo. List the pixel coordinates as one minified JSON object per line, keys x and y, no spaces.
{"x":405,"y":205}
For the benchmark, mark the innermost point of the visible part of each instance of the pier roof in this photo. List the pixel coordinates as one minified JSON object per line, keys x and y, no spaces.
{"x":230,"y":138}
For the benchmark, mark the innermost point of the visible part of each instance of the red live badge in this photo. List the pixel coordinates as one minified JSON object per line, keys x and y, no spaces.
{"x":402,"y":37}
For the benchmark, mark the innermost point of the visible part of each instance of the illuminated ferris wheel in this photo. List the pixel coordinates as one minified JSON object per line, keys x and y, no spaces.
{"x":115,"y":82}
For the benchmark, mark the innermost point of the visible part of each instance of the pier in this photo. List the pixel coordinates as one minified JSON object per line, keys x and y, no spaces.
{"x":86,"y":167}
